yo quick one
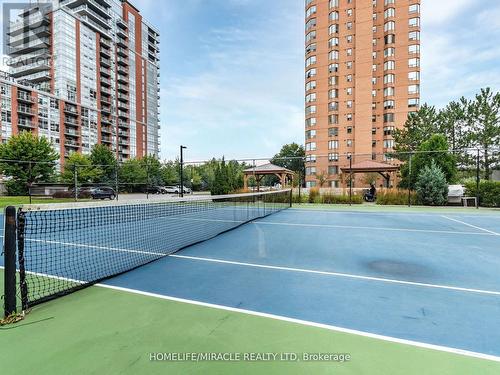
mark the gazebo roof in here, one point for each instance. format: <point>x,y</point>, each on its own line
<point>267,169</point>
<point>368,166</point>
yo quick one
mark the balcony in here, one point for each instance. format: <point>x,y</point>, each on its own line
<point>122,105</point>
<point>70,121</point>
<point>123,124</point>
<point>25,97</point>
<point>27,68</point>
<point>29,35</point>
<point>26,23</point>
<point>106,109</point>
<point>122,52</point>
<point>105,71</point>
<point>71,132</point>
<point>29,47</point>
<point>122,88</point>
<point>88,13</point>
<point>71,110</point>
<point>25,123</point>
<point>105,81</point>
<point>106,140</point>
<point>105,62</point>
<point>106,43</point>
<point>105,52</point>
<point>122,70</point>
<point>123,133</point>
<point>121,42</point>
<point>123,97</point>
<point>123,114</point>
<point>24,110</point>
<point>106,101</point>
<point>106,130</point>
<point>122,61</point>
<point>106,91</point>
<point>105,120</point>
<point>71,143</point>
<point>121,24</point>
<point>121,33</point>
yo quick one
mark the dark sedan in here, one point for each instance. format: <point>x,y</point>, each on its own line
<point>103,193</point>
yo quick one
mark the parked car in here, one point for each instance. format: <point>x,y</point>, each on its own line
<point>103,193</point>
<point>156,190</point>
<point>176,189</point>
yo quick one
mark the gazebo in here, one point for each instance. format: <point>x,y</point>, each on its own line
<point>258,172</point>
<point>370,166</point>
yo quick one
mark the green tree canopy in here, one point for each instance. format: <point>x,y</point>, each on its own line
<point>86,172</point>
<point>291,150</point>
<point>104,159</point>
<point>431,186</point>
<point>16,156</point>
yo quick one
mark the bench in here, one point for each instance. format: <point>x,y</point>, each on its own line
<point>465,201</point>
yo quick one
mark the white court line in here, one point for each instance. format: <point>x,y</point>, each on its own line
<point>339,274</point>
<point>371,228</point>
<point>440,348</point>
<point>470,225</point>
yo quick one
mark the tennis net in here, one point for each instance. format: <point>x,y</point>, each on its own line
<point>61,249</point>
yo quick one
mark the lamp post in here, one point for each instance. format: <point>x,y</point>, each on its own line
<point>350,179</point>
<point>181,148</point>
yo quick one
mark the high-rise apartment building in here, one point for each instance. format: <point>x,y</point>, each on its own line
<point>83,72</point>
<point>362,65</point>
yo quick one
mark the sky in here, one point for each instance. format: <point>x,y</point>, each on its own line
<point>232,71</point>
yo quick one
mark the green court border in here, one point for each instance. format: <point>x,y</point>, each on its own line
<point>100,330</point>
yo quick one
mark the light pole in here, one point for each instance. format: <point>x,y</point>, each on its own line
<point>350,179</point>
<point>181,194</point>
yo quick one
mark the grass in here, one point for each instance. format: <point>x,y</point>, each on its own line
<point>17,201</point>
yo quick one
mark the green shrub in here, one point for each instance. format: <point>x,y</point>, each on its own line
<point>303,198</point>
<point>330,198</point>
<point>489,192</point>
<point>396,197</point>
<point>313,195</point>
<point>16,188</point>
<point>431,186</point>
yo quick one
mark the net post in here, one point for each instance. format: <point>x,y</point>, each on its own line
<point>291,196</point>
<point>478,179</point>
<point>10,261</point>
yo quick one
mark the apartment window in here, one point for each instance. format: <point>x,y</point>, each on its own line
<point>310,61</point>
<point>333,119</point>
<point>349,38</point>
<point>348,91</point>
<point>414,22</point>
<point>388,143</point>
<point>311,23</point>
<point>333,29</point>
<point>413,76</point>
<point>333,145</point>
<point>310,184</point>
<point>390,65</point>
<point>333,132</point>
<point>390,39</point>
<point>388,117</point>
<point>311,98</point>
<point>374,131</point>
<point>311,73</point>
<point>388,130</point>
<point>374,16</point>
<point>333,156</point>
<point>349,142</point>
<point>389,104</point>
<point>310,85</point>
<point>310,11</point>
<point>349,25</point>
<point>311,146</point>
<point>413,102</point>
<point>413,49</point>
<point>388,2</point>
<point>374,93</point>
<point>334,16</point>
<point>333,68</point>
<point>332,81</point>
<point>414,8</point>
<point>310,158</point>
<point>389,12</point>
<point>349,117</point>
<point>389,26</point>
<point>333,42</point>
<point>310,36</point>
<point>333,93</point>
<point>311,48</point>
<point>374,55</point>
<point>349,130</point>
<point>413,89</point>
<point>333,106</point>
<point>374,41</point>
<point>333,169</point>
<point>333,55</point>
<point>310,171</point>
<point>308,2</point>
<point>349,104</point>
<point>348,65</point>
<point>349,12</point>
<point>389,78</point>
<point>333,4</point>
<point>348,78</point>
<point>310,134</point>
<point>414,35</point>
<point>374,29</point>
<point>349,52</point>
<point>413,63</point>
<point>389,91</point>
<point>374,80</point>
<point>374,67</point>
<point>310,109</point>
<point>374,118</point>
<point>388,52</point>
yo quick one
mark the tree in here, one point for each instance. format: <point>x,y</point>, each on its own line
<point>291,156</point>
<point>434,150</point>
<point>152,166</point>
<point>103,159</point>
<point>86,172</point>
<point>431,186</point>
<point>483,122</point>
<point>27,159</point>
<point>418,127</point>
<point>170,172</point>
<point>322,178</point>
<point>132,174</point>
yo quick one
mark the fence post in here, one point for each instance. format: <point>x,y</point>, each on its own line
<point>75,182</point>
<point>10,261</point>
<point>116,180</point>
<point>409,181</point>
<point>478,178</point>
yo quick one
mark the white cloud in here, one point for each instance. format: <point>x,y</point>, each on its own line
<point>438,12</point>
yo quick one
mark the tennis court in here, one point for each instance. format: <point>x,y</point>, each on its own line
<point>375,283</point>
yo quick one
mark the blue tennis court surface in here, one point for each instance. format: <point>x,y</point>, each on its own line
<point>428,277</point>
